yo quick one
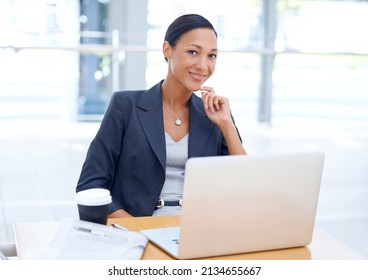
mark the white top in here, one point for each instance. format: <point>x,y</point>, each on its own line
<point>176,156</point>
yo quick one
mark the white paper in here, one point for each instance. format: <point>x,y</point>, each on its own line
<point>80,240</point>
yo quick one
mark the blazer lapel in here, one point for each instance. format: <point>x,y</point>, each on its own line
<point>200,127</point>
<point>150,114</point>
<point>151,118</point>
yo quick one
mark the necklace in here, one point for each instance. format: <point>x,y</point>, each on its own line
<point>177,119</point>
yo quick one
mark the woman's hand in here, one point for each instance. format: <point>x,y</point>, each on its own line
<point>217,107</point>
<point>120,213</point>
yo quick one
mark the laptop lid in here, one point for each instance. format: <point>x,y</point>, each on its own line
<point>238,204</point>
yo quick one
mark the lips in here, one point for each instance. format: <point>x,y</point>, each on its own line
<point>197,76</point>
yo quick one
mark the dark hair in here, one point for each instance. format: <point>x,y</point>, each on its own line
<point>184,24</point>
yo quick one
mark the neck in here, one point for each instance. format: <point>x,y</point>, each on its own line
<point>175,97</point>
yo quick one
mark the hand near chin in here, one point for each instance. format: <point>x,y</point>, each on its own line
<point>217,107</point>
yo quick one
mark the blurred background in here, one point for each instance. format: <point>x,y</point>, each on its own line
<point>296,74</point>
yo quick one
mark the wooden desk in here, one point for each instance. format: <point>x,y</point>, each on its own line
<point>30,238</point>
<point>323,247</point>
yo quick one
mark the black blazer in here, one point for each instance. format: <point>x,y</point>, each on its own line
<point>128,154</point>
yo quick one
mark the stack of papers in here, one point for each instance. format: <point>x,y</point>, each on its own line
<point>80,240</point>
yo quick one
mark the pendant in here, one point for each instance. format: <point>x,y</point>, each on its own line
<point>178,122</point>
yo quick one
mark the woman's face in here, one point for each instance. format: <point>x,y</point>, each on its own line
<point>192,61</point>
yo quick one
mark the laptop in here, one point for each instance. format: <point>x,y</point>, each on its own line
<point>240,204</point>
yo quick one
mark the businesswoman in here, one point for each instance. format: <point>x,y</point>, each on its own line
<point>146,136</point>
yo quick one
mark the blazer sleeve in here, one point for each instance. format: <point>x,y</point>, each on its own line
<point>99,167</point>
<point>224,149</point>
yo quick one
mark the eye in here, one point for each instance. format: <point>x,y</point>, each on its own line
<point>192,52</point>
<point>212,55</point>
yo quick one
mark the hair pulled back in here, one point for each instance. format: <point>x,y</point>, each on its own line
<point>184,24</point>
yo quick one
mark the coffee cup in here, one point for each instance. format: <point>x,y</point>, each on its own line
<point>93,205</point>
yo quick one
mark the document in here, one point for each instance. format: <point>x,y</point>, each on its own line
<point>80,240</point>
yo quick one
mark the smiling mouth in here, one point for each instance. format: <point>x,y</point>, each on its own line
<point>197,76</point>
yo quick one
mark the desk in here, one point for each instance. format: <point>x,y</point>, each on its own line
<point>322,247</point>
<point>31,237</point>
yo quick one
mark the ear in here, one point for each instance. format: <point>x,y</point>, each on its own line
<point>166,49</point>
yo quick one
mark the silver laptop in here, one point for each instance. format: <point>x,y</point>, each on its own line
<point>239,204</point>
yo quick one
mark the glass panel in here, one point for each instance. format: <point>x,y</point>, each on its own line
<point>40,51</point>
<point>321,87</point>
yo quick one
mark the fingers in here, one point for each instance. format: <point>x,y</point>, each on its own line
<point>210,100</point>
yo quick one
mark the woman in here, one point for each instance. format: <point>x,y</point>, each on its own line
<point>146,136</point>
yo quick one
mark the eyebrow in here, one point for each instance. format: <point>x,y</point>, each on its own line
<point>199,47</point>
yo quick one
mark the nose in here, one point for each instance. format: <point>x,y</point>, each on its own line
<point>202,62</point>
